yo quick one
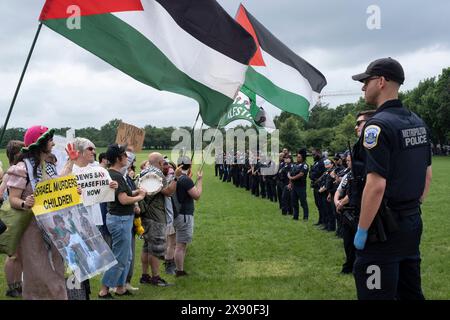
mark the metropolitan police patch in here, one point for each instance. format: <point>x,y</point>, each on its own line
<point>371,134</point>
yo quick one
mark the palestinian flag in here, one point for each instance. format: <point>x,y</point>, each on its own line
<point>245,107</point>
<point>193,48</point>
<point>277,74</point>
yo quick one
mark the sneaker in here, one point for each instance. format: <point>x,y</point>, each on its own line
<point>145,279</point>
<point>170,267</point>
<point>129,287</point>
<point>160,282</point>
<point>181,273</point>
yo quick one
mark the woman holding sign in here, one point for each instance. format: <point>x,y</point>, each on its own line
<point>43,267</point>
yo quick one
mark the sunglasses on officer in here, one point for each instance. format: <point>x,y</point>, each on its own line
<point>359,122</point>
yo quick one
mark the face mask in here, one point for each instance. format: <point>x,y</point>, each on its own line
<point>123,170</point>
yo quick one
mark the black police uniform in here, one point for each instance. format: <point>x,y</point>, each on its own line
<point>317,169</point>
<point>397,147</point>
<point>286,207</point>
<point>298,191</point>
<point>280,184</point>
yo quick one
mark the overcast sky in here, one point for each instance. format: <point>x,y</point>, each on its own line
<point>66,86</point>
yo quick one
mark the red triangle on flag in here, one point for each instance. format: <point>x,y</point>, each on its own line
<point>58,9</point>
<point>242,19</point>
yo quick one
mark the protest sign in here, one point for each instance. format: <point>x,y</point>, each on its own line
<point>78,240</point>
<point>131,135</point>
<point>55,194</point>
<point>94,183</point>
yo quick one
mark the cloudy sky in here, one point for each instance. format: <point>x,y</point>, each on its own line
<point>66,86</point>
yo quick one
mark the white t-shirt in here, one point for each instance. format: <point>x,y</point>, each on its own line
<point>94,210</point>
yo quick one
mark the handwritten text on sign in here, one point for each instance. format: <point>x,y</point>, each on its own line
<point>94,183</point>
<point>55,194</point>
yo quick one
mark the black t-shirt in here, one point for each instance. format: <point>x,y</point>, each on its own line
<point>184,184</point>
<point>116,208</point>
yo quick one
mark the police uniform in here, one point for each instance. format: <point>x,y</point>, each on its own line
<point>298,191</point>
<point>398,149</point>
<point>280,184</point>
<point>286,207</point>
<point>317,170</point>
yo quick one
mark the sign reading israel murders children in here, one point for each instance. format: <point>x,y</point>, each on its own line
<point>130,135</point>
<point>55,194</point>
<point>94,184</point>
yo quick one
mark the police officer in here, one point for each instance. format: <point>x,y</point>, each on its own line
<point>279,183</point>
<point>349,193</point>
<point>317,170</point>
<point>286,207</point>
<point>398,164</point>
<point>297,179</point>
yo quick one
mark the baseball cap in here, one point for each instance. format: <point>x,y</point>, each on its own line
<point>386,67</point>
<point>114,151</point>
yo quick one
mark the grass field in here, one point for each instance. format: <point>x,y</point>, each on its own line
<point>244,248</point>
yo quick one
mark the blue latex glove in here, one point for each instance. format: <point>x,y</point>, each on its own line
<point>360,238</point>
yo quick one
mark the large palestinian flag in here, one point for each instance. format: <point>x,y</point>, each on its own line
<point>193,48</point>
<point>278,74</point>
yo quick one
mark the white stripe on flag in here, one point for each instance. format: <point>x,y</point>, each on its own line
<point>200,62</point>
<point>284,76</point>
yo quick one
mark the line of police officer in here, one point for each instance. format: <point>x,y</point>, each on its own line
<point>377,197</point>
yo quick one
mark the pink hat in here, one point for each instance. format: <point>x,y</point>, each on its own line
<point>34,136</point>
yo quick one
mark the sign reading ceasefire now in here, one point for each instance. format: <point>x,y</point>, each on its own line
<point>56,194</point>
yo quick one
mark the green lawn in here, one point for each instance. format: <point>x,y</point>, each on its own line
<point>244,248</point>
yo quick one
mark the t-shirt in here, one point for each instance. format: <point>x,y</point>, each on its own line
<point>116,208</point>
<point>185,184</point>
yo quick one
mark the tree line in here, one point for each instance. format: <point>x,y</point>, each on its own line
<point>328,128</point>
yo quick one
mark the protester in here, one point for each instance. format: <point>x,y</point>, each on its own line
<point>154,222</point>
<point>119,221</point>
<point>187,192</point>
<point>169,257</point>
<point>86,157</point>
<point>43,267</point>
<point>13,265</point>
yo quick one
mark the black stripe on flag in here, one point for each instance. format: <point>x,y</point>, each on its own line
<point>270,44</point>
<point>209,23</point>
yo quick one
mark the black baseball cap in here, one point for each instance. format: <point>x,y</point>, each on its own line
<point>114,151</point>
<point>389,68</point>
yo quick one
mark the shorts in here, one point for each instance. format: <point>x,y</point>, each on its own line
<point>154,238</point>
<point>170,230</point>
<point>184,227</point>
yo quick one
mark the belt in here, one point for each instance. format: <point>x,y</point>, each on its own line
<point>405,212</point>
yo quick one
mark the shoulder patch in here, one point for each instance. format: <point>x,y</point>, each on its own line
<point>305,166</point>
<point>371,134</point>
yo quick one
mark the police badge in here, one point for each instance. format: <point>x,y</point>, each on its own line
<point>371,134</point>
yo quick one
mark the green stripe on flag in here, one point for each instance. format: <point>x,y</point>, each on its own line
<point>122,46</point>
<point>283,99</point>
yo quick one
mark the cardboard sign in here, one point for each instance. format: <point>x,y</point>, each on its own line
<point>55,194</point>
<point>131,135</point>
<point>94,183</point>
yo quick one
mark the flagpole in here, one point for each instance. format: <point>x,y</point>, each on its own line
<point>20,81</point>
<point>213,139</point>
<point>193,128</point>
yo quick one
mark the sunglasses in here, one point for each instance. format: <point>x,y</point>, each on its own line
<point>371,78</point>
<point>90,148</point>
<point>358,123</point>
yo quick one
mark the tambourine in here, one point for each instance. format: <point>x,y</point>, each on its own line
<point>151,183</point>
